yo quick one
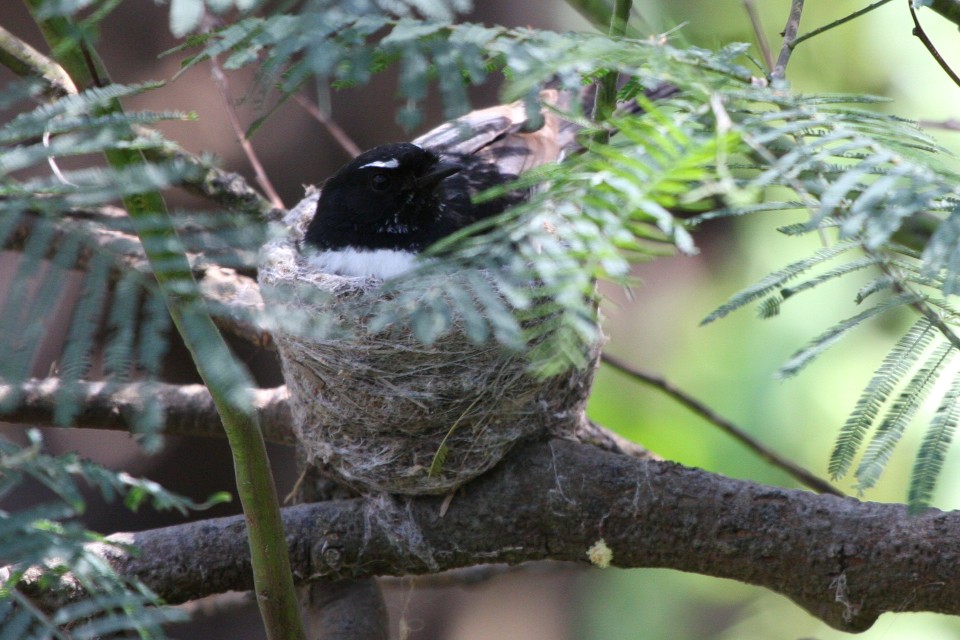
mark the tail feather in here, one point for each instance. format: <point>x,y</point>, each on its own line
<point>503,134</point>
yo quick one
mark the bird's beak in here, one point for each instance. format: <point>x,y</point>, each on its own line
<point>437,174</point>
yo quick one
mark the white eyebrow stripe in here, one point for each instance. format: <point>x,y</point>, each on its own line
<point>392,163</point>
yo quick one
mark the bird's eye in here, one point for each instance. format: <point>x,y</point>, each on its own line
<point>380,182</point>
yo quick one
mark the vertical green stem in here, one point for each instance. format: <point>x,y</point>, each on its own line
<point>596,11</point>
<point>606,99</point>
<point>621,15</point>
<point>220,371</point>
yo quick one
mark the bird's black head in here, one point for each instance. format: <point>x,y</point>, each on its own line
<point>385,198</point>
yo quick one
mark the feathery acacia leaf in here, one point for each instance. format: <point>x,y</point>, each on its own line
<point>777,280</point>
<point>832,274</point>
<point>891,371</point>
<point>771,306</point>
<point>933,449</point>
<point>70,126</point>
<point>720,147</point>
<point>46,537</point>
<point>899,414</point>
<point>830,337</point>
<point>941,255</point>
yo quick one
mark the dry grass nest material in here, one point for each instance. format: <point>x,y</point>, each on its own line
<point>385,412</point>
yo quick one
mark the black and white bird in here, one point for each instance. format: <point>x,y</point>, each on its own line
<point>380,210</point>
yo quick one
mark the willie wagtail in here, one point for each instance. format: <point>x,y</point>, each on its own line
<point>388,204</point>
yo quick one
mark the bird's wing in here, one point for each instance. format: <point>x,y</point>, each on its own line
<point>506,137</point>
<point>497,144</point>
<point>503,135</point>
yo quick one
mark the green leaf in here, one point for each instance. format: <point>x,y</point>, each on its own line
<point>832,335</point>
<point>890,430</point>
<point>777,280</point>
<point>894,368</point>
<point>45,537</point>
<point>933,449</point>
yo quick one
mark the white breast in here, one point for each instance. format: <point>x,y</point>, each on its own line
<point>382,263</point>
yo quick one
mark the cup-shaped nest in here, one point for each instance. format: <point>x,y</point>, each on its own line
<point>385,412</point>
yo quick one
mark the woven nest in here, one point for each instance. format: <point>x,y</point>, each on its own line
<point>387,413</point>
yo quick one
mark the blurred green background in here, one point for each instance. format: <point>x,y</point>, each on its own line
<point>730,364</point>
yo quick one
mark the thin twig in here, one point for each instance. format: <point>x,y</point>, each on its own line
<point>220,79</point>
<point>919,304</point>
<point>789,37</point>
<point>339,135</point>
<point>920,33</point>
<point>837,23</point>
<point>797,472</point>
<point>27,62</point>
<point>950,124</point>
<point>228,189</point>
<point>759,34</point>
<point>605,100</point>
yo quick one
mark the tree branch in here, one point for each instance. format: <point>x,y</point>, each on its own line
<point>226,188</point>
<point>758,33</point>
<point>27,62</point>
<point>220,80</point>
<point>800,474</point>
<point>843,560</point>
<point>931,48</point>
<point>837,23</point>
<point>335,130</point>
<point>188,409</point>
<point>789,37</point>
<point>233,295</point>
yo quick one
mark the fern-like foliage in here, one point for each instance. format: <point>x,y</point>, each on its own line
<point>79,268</point>
<point>890,430</point>
<point>47,541</point>
<point>119,327</point>
<point>894,368</point>
<point>877,190</point>
<point>873,187</point>
<point>600,210</point>
<point>933,449</point>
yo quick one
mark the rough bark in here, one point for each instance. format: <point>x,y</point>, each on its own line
<point>347,610</point>
<point>188,409</point>
<point>843,560</point>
